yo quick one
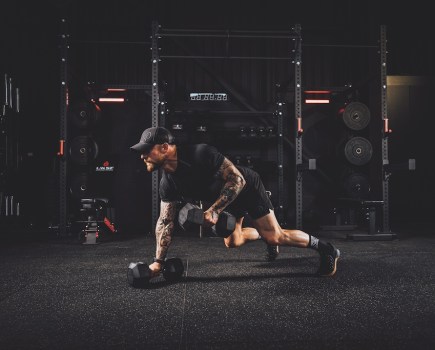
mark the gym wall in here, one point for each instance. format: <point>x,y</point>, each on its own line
<point>410,109</point>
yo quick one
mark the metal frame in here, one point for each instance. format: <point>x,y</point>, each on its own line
<point>63,224</point>
<point>158,118</point>
<point>127,86</point>
<point>280,159</point>
<point>385,160</point>
<point>155,101</point>
<point>63,131</point>
<point>158,113</point>
<point>386,234</point>
<point>298,128</point>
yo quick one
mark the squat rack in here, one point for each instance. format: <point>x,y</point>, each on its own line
<point>64,142</point>
<point>385,233</point>
<point>158,114</point>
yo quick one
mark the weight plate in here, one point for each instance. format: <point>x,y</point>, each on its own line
<point>84,114</point>
<point>358,150</point>
<point>356,116</point>
<point>79,186</point>
<point>83,150</point>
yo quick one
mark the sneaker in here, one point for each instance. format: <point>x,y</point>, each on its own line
<point>328,261</point>
<point>272,252</point>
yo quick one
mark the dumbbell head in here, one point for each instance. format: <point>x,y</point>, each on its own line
<point>225,225</point>
<point>173,269</point>
<point>190,217</point>
<point>138,274</point>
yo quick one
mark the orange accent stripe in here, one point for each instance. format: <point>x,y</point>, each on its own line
<point>61,148</point>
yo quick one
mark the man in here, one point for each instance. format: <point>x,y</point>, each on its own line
<point>200,172</point>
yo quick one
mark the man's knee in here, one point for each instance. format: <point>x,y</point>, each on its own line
<point>229,244</point>
<point>233,240</point>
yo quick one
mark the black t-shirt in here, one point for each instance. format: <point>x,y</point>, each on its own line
<point>196,176</point>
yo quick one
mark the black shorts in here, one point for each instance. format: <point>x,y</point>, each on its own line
<point>253,200</point>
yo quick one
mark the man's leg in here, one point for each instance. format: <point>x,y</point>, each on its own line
<point>270,230</point>
<point>241,235</point>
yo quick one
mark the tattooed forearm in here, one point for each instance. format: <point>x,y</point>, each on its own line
<point>232,187</point>
<point>164,228</point>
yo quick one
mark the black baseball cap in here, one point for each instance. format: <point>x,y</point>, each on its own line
<point>153,136</point>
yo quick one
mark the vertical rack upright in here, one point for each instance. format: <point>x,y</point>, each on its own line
<point>386,131</point>
<point>155,116</point>
<point>63,164</point>
<point>298,128</point>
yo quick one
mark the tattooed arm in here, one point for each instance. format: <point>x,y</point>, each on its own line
<point>234,183</point>
<point>164,229</point>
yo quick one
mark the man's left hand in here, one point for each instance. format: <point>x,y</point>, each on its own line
<point>210,218</point>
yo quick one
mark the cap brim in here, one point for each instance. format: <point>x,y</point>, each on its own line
<point>141,147</point>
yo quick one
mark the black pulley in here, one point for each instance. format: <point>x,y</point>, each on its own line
<point>358,150</point>
<point>356,185</point>
<point>356,116</point>
<point>83,150</point>
<point>79,185</point>
<point>84,114</point>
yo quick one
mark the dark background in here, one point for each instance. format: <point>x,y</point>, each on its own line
<point>30,55</point>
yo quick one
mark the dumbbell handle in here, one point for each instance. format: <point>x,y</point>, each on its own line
<point>200,220</point>
<point>195,215</point>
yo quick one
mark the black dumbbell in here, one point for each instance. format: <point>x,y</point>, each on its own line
<point>139,274</point>
<point>190,216</point>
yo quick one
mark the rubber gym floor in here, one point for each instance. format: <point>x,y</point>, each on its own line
<point>60,294</point>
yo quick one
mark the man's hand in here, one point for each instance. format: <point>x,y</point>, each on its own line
<point>156,269</point>
<point>210,218</point>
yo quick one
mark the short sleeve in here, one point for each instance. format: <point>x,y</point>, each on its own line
<point>167,190</point>
<point>210,156</point>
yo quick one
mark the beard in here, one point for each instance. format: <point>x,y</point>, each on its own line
<point>153,166</point>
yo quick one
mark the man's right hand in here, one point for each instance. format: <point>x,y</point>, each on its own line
<point>156,269</point>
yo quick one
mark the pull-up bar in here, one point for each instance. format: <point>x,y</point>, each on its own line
<point>342,46</point>
<point>228,57</point>
<point>226,34</point>
<point>229,35</point>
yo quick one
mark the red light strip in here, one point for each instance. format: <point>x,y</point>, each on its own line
<point>111,89</point>
<point>111,99</point>
<point>319,101</point>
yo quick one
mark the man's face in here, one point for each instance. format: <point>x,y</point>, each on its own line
<point>154,159</point>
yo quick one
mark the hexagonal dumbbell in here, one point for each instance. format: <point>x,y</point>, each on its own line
<point>139,274</point>
<point>191,216</point>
